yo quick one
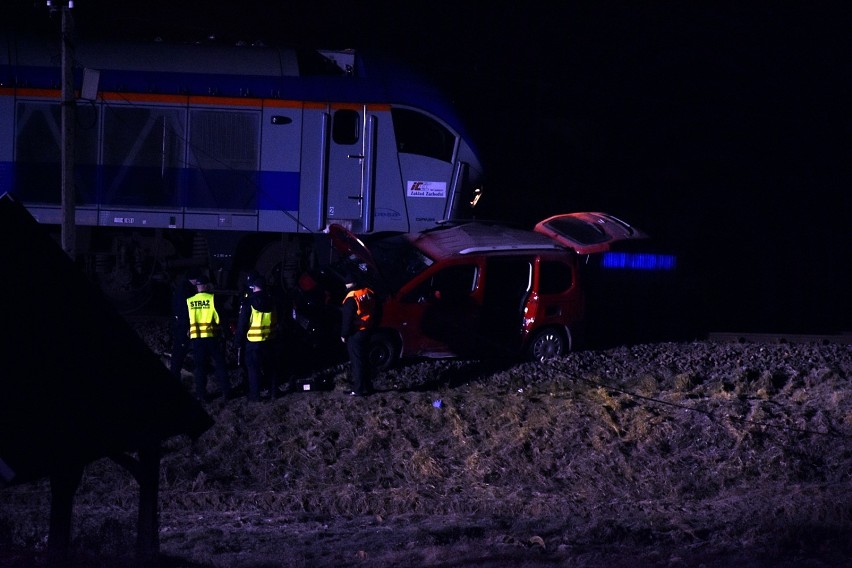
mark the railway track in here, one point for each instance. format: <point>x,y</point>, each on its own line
<point>735,337</point>
<point>844,338</point>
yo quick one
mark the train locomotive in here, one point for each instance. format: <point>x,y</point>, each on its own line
<point>226,158</point>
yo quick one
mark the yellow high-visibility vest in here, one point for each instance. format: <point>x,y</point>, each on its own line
<point>203,317</point>
<point>261,325</point>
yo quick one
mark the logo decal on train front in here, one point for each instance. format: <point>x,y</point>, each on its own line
<point>427,189</point>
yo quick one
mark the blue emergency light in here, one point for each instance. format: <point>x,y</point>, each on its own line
<point>638,261</point>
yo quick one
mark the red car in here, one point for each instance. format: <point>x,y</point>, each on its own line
<point>481,289</point>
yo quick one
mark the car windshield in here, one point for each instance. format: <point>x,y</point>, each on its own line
<point>398,261</point>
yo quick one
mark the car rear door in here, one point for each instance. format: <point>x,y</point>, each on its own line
<point>507,282</point>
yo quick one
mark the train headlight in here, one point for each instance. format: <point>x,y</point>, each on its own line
<point>477,195</point>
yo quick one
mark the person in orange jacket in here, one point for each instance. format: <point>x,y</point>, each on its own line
<point>359,315</point>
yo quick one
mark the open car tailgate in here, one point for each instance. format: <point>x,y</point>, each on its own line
<point>588,232</point>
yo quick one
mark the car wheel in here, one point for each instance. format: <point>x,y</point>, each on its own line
<point>384,351</point>
<point>546,344</point>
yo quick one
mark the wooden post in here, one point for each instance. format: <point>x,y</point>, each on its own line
<point>63,485</point>
<point>146,471</point>
<point>148,526</point>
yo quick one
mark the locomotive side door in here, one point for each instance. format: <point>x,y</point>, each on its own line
<point>347,163</point>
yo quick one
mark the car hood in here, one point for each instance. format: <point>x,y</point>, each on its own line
<point>588,232</point>
<point>345,242</point>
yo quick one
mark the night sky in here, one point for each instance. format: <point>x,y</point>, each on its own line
<point>720,128</point>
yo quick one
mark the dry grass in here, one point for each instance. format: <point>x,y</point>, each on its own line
<point>662,454</point>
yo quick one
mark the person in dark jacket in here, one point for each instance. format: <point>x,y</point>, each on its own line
<point>205,337</point>
<point>259,335</point>
<point>358,316</point>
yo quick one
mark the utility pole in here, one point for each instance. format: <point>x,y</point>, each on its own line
<point>68,118</point>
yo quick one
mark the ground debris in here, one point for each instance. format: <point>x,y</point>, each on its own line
<point>660,454</point>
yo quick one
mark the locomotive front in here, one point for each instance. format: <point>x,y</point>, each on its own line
<point>225,158</point>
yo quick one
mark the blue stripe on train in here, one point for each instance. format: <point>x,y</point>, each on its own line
<point>116,186</point>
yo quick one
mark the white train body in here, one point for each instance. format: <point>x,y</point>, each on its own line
<point>239,147</point>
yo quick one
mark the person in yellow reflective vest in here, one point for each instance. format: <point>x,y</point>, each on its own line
<point>259,335</point>
<point>358,316</point>
<point>206,339</point>
<point>183,288</point>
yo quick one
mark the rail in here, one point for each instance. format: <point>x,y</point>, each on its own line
<point>735,337</point>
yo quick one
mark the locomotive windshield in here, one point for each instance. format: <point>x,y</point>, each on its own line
<point>417,133</point>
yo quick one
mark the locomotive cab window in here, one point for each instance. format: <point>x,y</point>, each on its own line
<point>346,127</point>
<point>417,133</point>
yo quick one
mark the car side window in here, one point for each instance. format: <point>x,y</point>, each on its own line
<point>451,283</point>
<point>554,277</point>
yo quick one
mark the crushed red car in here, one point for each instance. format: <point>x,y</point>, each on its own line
<point>479,289</point>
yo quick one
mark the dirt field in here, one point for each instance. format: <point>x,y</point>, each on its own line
<point>668,454</point>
